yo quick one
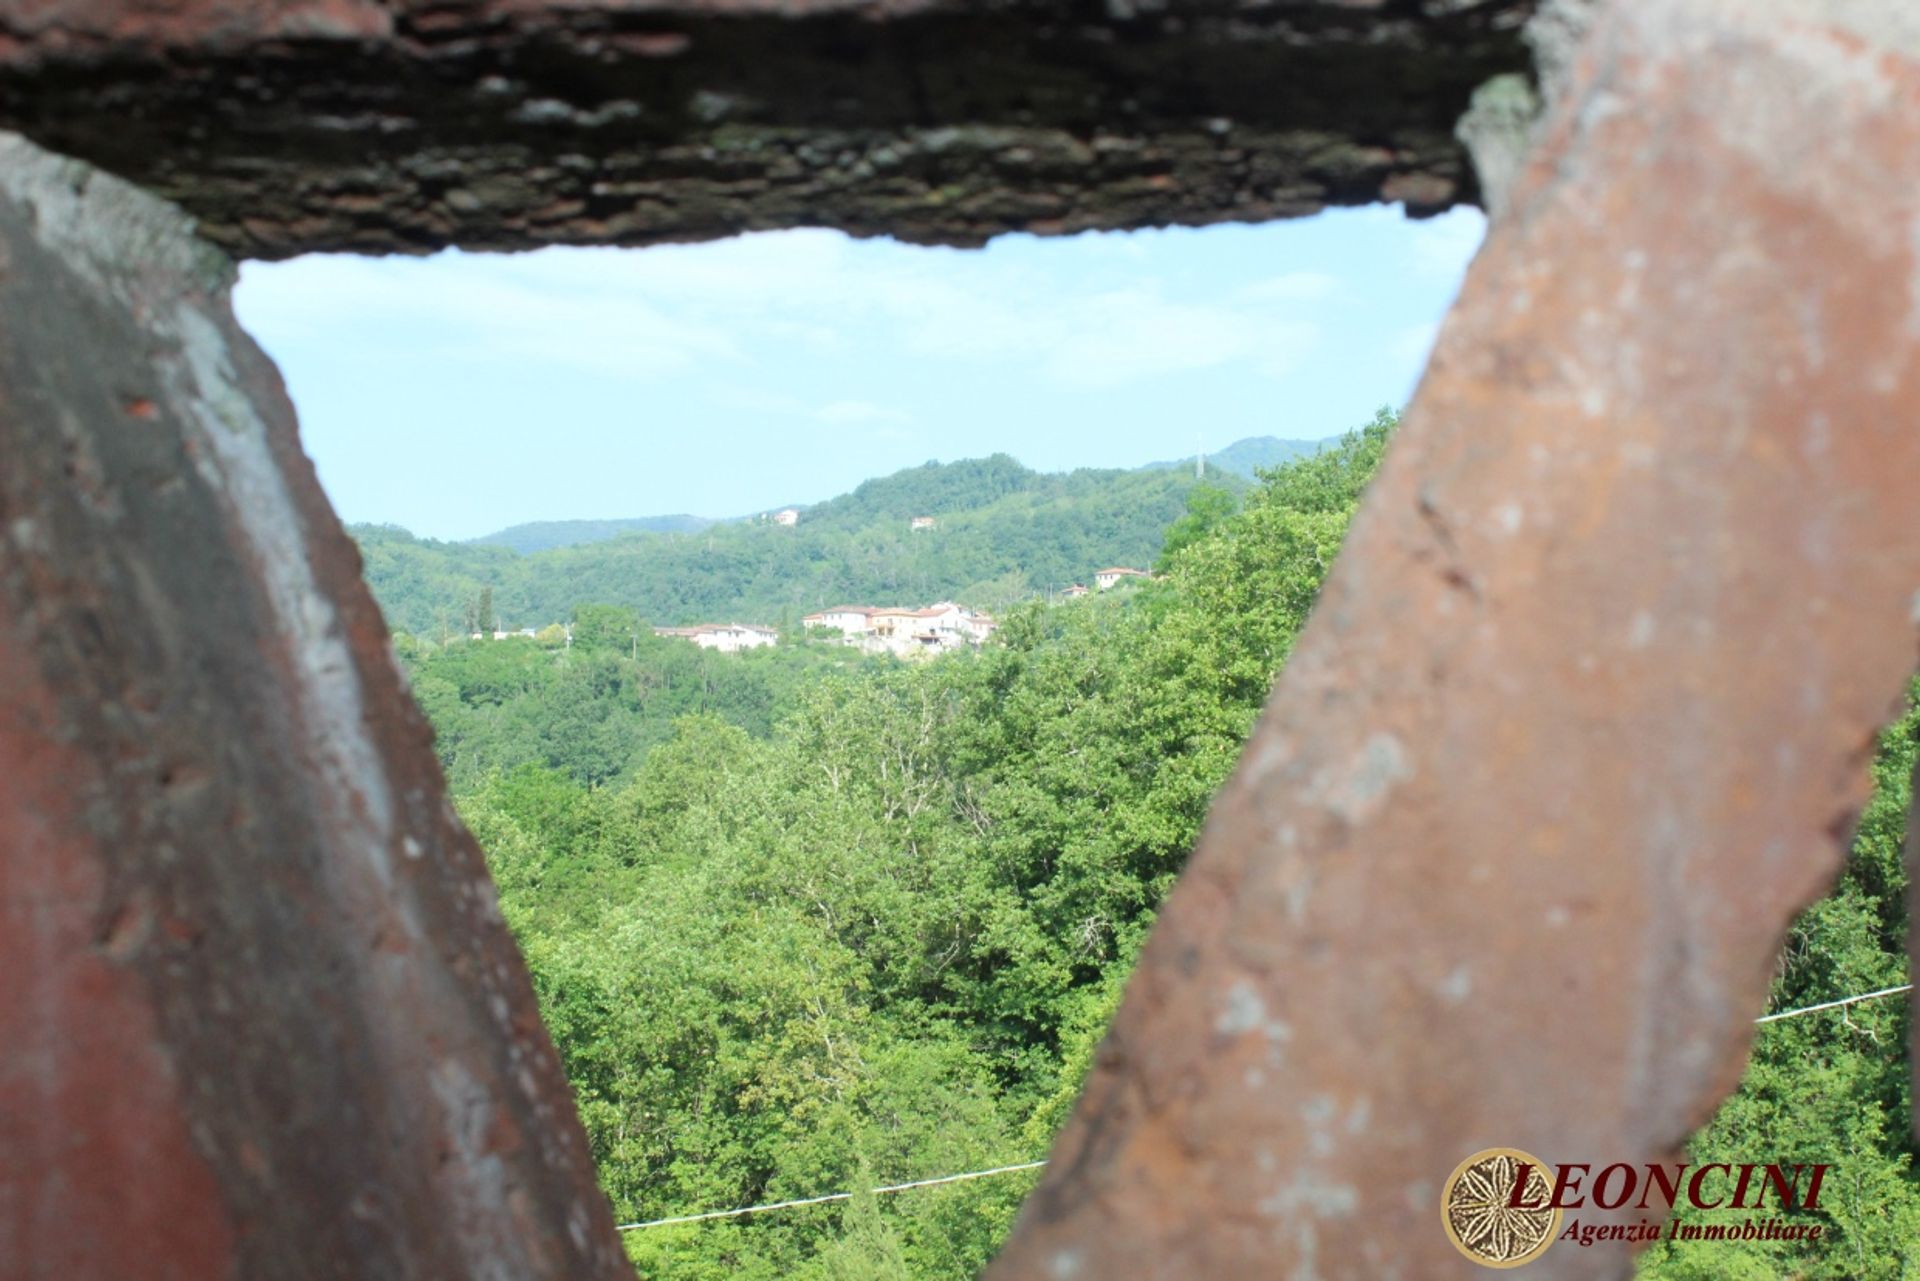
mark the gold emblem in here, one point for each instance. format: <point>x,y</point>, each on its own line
<point>1480,1222</point>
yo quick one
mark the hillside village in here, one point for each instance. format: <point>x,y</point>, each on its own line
<point>981,531</point>
<point>895,630</point>
<point>873,629</point>
<point>883,629</point>
<point>728,638</point>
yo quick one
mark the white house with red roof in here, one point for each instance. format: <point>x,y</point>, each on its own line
<point>850,620</point>
<point>904,630</point>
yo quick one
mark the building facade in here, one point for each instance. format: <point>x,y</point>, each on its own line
<point>728,638</point>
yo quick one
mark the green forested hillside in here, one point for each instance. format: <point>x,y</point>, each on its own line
<point>593,710</point>
<point>1003,533</point>
<point>863,921</point>
<point>879,942</point>
<point>545,535</point>
<point>1251,455</point>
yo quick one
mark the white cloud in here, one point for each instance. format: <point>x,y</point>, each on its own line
<point>755,401</point>
<point>1295,286</point>
<point>1414,343</point>
<point>1443,246</point>
<point>673,308</point>
<point>1118,337</point>
<point>481,309</point>
<point>858,411</point>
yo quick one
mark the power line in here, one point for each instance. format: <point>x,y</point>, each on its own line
<point>1034,1165</point>
<point>1834,1005</point>
<point>831,1196</point>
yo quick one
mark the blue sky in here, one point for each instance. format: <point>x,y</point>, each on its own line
<point>462,393</point>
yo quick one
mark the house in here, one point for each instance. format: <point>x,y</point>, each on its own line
<point>952,622</point>
<point>942,626</point>
<point>1073,591</point>
<point>889,622</point>
<point>728,638</point>
<point>787,516</point>
<point>905,631</point>
<point>945,615</point>
<point>922,522</point>
<point>745,636</point>
<point>1108,577</point>
<point>850,620</point>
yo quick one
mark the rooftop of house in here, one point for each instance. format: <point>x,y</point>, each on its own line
<point>902,611</point>
<point>707,629</point>
<point>899,611</point>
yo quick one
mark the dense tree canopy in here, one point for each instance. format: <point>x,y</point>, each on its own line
<point>592,709</point>
<point>802,922</point>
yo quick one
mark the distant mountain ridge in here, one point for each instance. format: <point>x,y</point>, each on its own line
<point>1244,456</point>
<point>1002,532</point>
<point>545,535</point>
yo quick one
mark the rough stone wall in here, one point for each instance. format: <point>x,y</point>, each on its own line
<point>1584,713</point>
<point>258,1014</point>
<point>407,125</point>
